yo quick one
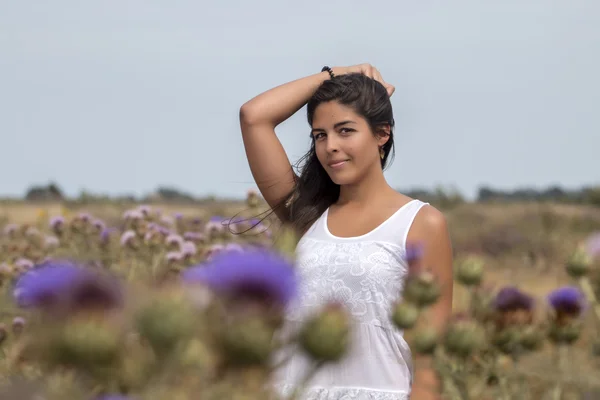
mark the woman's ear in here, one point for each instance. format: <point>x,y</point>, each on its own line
<point>383,134</point>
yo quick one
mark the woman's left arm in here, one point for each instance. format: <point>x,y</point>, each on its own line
<point>430,229</point>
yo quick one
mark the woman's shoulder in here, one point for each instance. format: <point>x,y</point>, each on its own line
<point>428,222</point>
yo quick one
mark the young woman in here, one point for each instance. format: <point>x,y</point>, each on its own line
<point>354,228</point>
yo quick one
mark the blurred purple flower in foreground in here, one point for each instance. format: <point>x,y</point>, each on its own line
<point>512,299</point>
<point>64,286</point>
<point>567,301</point>
<point>259,274</point>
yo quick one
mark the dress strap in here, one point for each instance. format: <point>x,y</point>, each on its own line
<point>398,226</point>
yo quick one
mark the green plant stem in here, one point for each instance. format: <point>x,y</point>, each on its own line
<point>518,377</point>
<point>460,381</point>
<point>504,388</point>
<point>561,361</point>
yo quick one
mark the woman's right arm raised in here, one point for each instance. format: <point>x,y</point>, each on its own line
<point>268,161</point>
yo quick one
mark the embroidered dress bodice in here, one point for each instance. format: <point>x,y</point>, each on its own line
<point>366,273</point>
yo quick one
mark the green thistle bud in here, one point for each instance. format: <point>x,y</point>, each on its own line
<point>531,338</point>
<point>507,340</point>
<point>196,355</point>
<point>425,341</point>
<point>470,271</point>
<point>579,263</point>
<point>422,289</point>
<point>166,321</point>
<point>326,335</point>
<point>247,342</point>
<point>86,342</point>
<point>405,315</point>
<point>464,336</point>
<point>565,333</point>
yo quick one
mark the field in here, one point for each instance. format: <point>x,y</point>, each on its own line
<point>526,245</point>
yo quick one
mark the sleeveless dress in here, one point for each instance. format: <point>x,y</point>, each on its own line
<point>366,273</point>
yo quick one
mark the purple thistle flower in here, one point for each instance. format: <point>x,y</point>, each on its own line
<point>24,263</point>
<point>568,300</point>
<point>10,229</point>
<point>194,236</point>
<point>65,285</point>
<point>149,235</point>
<point>18,321</point>
<point>105,234</point>
<point>127,237</point>
<point>174,256</point>
<point>174,239</point>
<point>261,274</point>
<point>145,209</point>
<point>85,217</point>
<point>512,299</point>
<point>178,216</point>
<point>18,324</point>
<point>213,227</point>
<point>99,224</point>
<point>157,228</point>
<point>114,397</point>
<point>133,214</point>
<point>188,249</point>
<point>57,222</point>
<point>214,249</point>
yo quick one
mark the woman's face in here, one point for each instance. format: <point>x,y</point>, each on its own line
<point>344,143</point>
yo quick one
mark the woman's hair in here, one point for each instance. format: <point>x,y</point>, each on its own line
<point>314,191</point>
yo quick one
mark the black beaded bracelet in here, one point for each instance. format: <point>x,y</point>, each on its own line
<point>326,68</point>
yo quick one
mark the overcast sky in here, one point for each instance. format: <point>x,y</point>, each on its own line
<point>122,96</point>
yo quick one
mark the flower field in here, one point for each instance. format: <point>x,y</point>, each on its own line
<point>109,301</point>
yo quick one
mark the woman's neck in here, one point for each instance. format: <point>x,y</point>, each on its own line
<point>369,188</point>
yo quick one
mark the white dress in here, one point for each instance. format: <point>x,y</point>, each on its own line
<point>366,273</point>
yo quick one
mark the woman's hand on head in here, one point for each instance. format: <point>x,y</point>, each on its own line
<point>367,70</point>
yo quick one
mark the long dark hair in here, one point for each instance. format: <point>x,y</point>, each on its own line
<point>314,191</point>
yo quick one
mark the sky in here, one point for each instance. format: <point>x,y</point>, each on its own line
<point>120,97</point>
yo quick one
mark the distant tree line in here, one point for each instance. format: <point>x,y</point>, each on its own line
<point>441,196</point>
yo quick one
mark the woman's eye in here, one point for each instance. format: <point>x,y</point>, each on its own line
<point>346,130</point>
<point>319,136</point>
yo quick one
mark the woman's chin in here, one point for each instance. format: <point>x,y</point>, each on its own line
<point>341,179</point>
